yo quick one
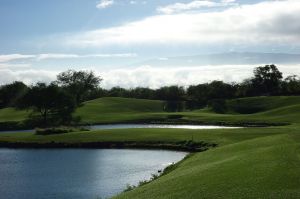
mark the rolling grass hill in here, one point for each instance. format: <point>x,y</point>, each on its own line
<point>260,104</point>
<point>247,163</point>
<point>279,109</point>
<point>12,115</point>
<point>115,109</point>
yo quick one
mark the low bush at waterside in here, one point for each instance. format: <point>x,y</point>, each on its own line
<point>58,130</point>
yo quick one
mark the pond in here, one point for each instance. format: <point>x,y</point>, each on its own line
<point>167,126</point>
<point>132,126</point>
<point>77,173</point>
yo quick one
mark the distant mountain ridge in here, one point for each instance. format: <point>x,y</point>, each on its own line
<point>232,58</point>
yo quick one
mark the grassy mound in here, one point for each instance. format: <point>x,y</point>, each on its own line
<point>248,162</point>
<point>12,115</point>
<point>102,110</point>
<point>115,109</point>
<point>260,104</point>
<point>263,110</point>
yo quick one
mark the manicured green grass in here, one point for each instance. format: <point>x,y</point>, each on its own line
<point>247,163</point>
<point>218,136</point>
<point>264,167</point>
<point>115,109</point>
<point>261,104</point>
<point>12,115</point>
<point>103,110</point>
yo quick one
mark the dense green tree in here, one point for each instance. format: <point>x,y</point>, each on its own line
<point>200,95</point>
<point>79,83</point>
<point>170,93</point>
<point>291,85</point>
<point>267,80</point>
<point>10,93</point>
<point>174,97</point>
<point>245,89</point>
<point>143,93</point>
<point>197,96</point>
<point>220,90</point>
<point>118,92</point>
<point>50,101</point>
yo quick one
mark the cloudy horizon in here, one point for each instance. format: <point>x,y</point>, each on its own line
<point>117,38</point>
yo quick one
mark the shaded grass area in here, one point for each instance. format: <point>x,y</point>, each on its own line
<point>260,104</point>
<point>272,111</point>
<point>12,115</point>
<point>269,111</point>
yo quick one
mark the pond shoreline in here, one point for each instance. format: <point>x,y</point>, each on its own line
<point>15,126</point>
<point>186,146</point>
<point>54,169</point>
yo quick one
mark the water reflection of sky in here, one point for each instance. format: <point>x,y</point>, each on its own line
<point>77,173</point>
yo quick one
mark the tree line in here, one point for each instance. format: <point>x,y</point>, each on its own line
<point>54,103</point>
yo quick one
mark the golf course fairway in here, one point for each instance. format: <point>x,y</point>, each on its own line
<point>250,162</point>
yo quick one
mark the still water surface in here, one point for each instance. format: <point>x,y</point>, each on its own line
<point>147,126</point>
<point>167,126</point>
<point>77,173</point>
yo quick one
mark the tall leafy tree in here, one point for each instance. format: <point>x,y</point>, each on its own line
<point>173,95</point>
<point>79,83</point>
<point>10,93</point>
<point>291,85</point>
<point>50,102</point>
<point>267,80</point>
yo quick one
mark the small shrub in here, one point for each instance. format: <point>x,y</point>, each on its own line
<point>154,177</point>
<point>175,116</point>
<point>58,130</point>
<point>143,182</point>
<point>129,187</point>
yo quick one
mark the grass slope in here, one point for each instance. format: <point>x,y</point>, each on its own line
<point>248,162</point>
<point>268,109</point>
<point>260,104</point>
<point>265,167</point>
<point>12,115</point>
<point>115,109</point>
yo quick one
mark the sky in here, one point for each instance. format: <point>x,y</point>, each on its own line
<point>116,38</point>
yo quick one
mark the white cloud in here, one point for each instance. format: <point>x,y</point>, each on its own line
<point>104,4</point>
<point>149,76</point>
<point>8,65</point>
<point>12,57</point>
<point>155,77</point>
<point>228,1</point>
<point>27,76</point>
<point>4,59</point>
<point>269,22</point>
<point>66,56</point>
<point>179,7</point>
